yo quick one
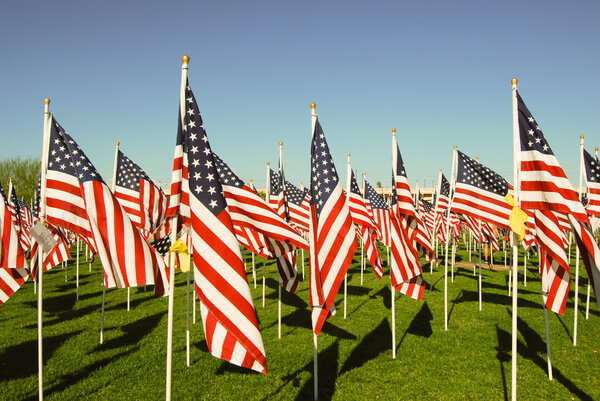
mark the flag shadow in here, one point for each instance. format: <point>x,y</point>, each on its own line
<point>133,332</point>
<point>534,349</point>
<point>20,361</point>
<point>71,379</point>
<point>374,343</point>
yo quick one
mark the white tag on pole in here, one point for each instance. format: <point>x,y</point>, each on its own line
<point>43,236</point>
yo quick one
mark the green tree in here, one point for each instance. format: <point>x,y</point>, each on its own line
<point>378,184</point>
<point>25,173</point>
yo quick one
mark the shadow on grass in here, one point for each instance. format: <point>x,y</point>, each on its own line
<point>373,344</point>
<point>133,302</point>
<point>302,318</point>
<point>499,299</point>
<point>133,332</point>
<point>66,316</point>
<point>534,350</point>
<point>20,361</point>
<point>71,379</point>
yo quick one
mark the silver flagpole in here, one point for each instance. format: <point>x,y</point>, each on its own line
<point>182,103</point>
<point>515,244</point>
<point>577,248</point>
<point>447,240</point>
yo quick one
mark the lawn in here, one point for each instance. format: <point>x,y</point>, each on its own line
<point>472,360</point>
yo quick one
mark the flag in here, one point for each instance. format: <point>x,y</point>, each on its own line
<point>17,215</point>
<point>592,176</point>
<point>546,190</point>
<point>333,237</point>
<point>59,253</point>
<point>298,207</point>
<point>381,213</point>
<point>480,192</point>
<point>228,315</point>
<point>126,257</point>
<point>276,194</point>
<point>255,219</point>
<point>10,281</point>
<point>144,202</point>
<point>11,252</point>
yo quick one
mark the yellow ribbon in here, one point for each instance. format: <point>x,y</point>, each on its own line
<point>181,249</point>
<point>517,217</point>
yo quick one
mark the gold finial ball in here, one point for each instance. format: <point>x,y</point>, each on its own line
<point>268,164</point>
<point>393,130</point>
<point>280,143</point>
<point>455,147</point>
<point>514,81</point>
<point>313,105</point>
<point>185,59</point>
<point>46,101</point>
<point>581,136</point>
<point>118,143</point>
<point>348,154</point>
<point>596,149</point>
<point>440,170</point>
<point>251,181</point>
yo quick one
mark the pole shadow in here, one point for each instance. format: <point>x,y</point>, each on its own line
<point>133,332</point>
<point>373,344</point>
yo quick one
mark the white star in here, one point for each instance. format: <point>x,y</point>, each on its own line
<point>206,151</point>
<point>545,147</point>
<point>213,203</point>
<point>537,140</point>
<point>192,124</point>
<point>208,164</point>
<point>193,137</point>
<point>197,176</point>
<point>210,177</point>
<point>531,119</point>
<point>195,162</point>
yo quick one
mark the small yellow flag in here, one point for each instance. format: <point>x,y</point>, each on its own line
<point>517,217</point>
<point>181,249</point>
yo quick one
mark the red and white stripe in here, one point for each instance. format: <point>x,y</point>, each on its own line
<point>332,246</point>
<point>179,200</point>
<point>481,204</point>
<point>10,281</point>
<point>358,211</point>
<point>593,196</point>
<point>228,315</point>
<point>370,246</point>
<point>405,265</point>
<point>126,257</point>
<point>300,214</point>
<point>64,205</point>
<point>130,200</point>
<point>154,205</point>
<point>590,253</point>
<point>11,252</point>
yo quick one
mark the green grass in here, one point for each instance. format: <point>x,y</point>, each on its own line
<point>472,360</point>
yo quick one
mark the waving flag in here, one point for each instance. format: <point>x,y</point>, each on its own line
<point>592,176</point>
<point>546,190</point>
<point>276,194</point>
<point>144,202</point>
<point>480,192</point>
<point>381,213</point>
<point>228,315</point>
<point>11,252</point>
<point>298,207</point>
<point>126,257</point>
<point>17,215</point>
<point>333,237</point>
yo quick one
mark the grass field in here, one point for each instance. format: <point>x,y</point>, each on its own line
<point>472,360</point>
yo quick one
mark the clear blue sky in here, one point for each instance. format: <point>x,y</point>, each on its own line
<point>438,71</point>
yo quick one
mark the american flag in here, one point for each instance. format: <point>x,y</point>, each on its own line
<point>17,215</point>
<point>258,226</point>
<point>333,237</point>
<point>298,207</point>
<point>125,255</point>
<point>228,315</point>
<point>592,176</point>
<point>11,279</point>
<point>405,267</point>
<point>366,227</point>
<point>380,211</point>
<point>65,206</point>
<point>11,252</point>
<point>59,253</point>
<point>358,209</point>
<point>427,212</point>
<point>276,194</point>
<point>404,202</point>
<point>546,190</point>
<point>443,197</point>
<point>144,202</point>
<point>480,192</point>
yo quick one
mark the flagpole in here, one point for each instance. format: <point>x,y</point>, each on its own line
<point>577,248</point>
<point>348,172</point>
<point>362,248</point>
<point>252,253</point>
<point>286,218</point>
<point>480,284</point>
<point>548,353</point>
<point>515,251</point>
<point>187,318</point>
<point>315,337</point>
<point>447,239</point>
<point>393,260</point>
<point>40,270</point>
<point>182,103</point>
<point>435,216</point>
